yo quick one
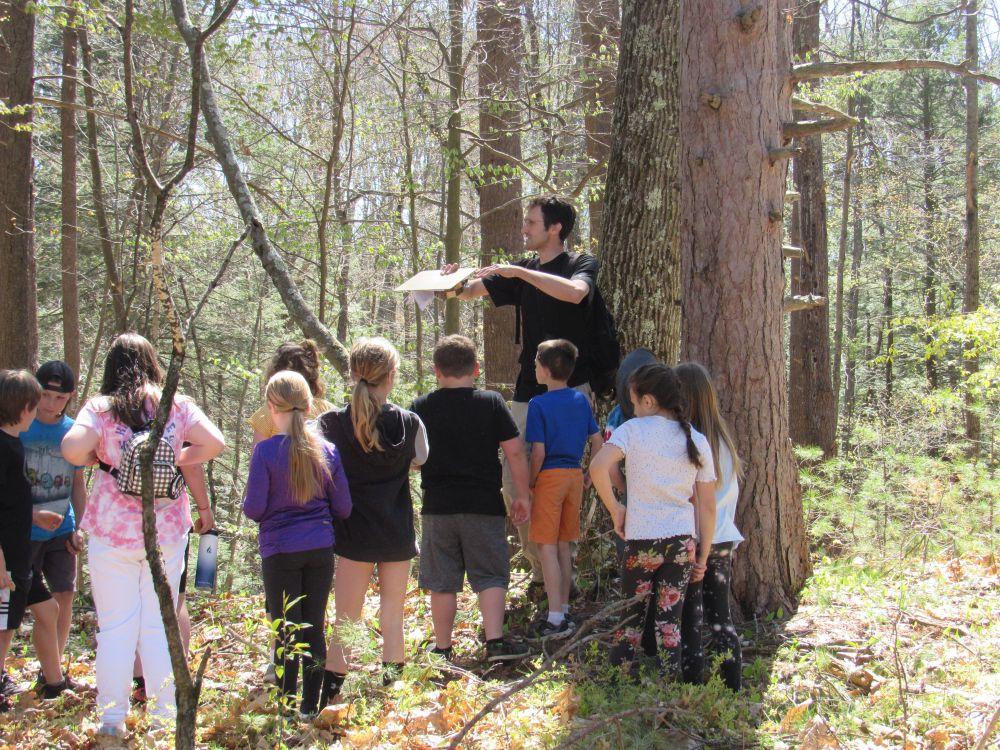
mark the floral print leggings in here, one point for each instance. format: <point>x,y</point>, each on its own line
<point>708,601</point>
<point>658,568</point>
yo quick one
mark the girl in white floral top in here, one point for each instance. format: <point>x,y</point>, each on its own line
<point>128,613</point>
<point>667,464</point>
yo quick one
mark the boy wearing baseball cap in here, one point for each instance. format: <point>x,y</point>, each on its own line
<point>58,492</point>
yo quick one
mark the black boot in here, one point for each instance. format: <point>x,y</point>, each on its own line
<point>332,683</point>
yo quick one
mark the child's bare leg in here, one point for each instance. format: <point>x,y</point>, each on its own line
<point>443,608</point>
<point>552,573</point>
<point>566,575</point>
<point>491,605</point>
<point>6,636</point>
<point>45,637</point>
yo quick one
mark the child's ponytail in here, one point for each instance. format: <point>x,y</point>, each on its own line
<point>661,382</point>
<point>308,470</point>
<point>372,362</point>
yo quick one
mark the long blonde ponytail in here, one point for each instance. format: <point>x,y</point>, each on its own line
<point>372,361</point>
<point>288,391</point>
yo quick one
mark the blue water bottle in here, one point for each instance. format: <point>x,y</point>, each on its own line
<point>208,561</point>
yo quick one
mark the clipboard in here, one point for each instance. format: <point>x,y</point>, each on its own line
<point>434,281</point>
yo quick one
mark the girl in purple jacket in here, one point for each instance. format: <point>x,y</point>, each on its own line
<point>296,488</point>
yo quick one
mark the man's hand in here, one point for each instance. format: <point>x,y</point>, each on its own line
<point>506,270</point>
<point>520,511</point>
<point>206,520</point>
<point>618,518</point>
<point>5,580</point>
<point>75,543</point>
<point>46,519</point>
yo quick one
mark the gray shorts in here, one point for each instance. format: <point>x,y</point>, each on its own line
<point>51,559</point>
<point>452,546</point>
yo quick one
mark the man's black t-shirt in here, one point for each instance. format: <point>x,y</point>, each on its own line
<point>544,317</point>
<point>15,506</point>
<point>465,427</point>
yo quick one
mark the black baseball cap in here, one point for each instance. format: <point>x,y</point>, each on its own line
<point>56,376</point>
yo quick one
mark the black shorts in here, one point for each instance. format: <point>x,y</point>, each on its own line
<point>29,590</point>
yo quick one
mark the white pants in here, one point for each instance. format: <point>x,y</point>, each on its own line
<point>128,615</point>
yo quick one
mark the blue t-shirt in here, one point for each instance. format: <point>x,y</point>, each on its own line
<point>562,420</point>
<point>49,474</point>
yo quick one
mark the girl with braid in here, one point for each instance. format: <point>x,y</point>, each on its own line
<point>379,444</point>
<point>667,464</point>
<point>708,600</point>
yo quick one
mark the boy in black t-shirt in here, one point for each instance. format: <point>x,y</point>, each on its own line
<point>464,524</point>
<point>19,589</point>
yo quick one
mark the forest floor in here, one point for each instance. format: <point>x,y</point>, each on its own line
<point>895,643</point>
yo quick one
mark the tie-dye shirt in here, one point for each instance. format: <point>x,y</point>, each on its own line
<point>113,517</point>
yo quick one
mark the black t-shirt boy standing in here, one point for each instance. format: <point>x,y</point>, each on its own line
<point>464,524</point>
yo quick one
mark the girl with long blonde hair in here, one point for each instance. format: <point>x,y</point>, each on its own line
<point>295,490</point>
<point>708,600</point>
<point>379,443</point>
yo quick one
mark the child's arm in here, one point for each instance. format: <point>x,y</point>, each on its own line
<point>339,493</point>
<point>537,459</point>
<point>79,445</point>
<point>617,478</point>
<point>704,508</point>
<point>194,476</point>
<point>206,442</point>
<point>513,449</point>
<point>258,487</point>
<point>601,467</point>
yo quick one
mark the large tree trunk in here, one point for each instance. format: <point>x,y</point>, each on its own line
<point>502,50</point>
<point>812,410</point>
<point>970,300</point>
<point>67,131</point>
<point>453,157</point>
<point>600,27</point>
<point>19,322</point>
<point>640,249</point>
<point>736,95</point>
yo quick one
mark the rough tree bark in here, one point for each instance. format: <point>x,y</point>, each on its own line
<point>640,249</point>
<point>970,299</point>
<point>19,323</point>
<point>501,43</point>
<point>296,305</point>
<point>69,231</point>
<point>600,28</point>
<point>853,303</point>
<point>735,94</point>
<point>812,409</point>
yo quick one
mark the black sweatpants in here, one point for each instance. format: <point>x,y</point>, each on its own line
<point>296,587</point>
<point>657,570</point>
<point>707,602</point>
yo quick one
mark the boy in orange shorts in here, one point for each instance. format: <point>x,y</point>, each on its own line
<point>559,424</point>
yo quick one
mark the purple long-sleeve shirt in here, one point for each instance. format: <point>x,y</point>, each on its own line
<point>285,524</point>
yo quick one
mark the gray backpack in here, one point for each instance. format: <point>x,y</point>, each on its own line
<point>167,478</point>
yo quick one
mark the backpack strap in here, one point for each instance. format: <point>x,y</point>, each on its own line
<point>107,468</point>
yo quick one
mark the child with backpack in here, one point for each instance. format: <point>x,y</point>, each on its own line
<point>666,462</point>
<point>295,489</point>
<point>378,442</point>
<point>109,431</point>
<point>464,519</point>
<point>708,600</point>
<point>20,588</point>
<point>560,422</point>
